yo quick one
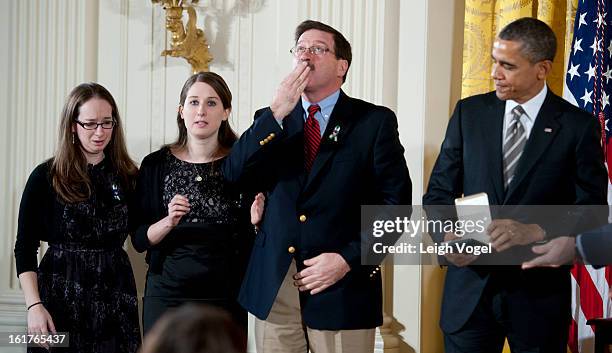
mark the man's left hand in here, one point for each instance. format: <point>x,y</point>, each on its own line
<point>506,233</point>
<point>321,272</point>
<point>257,209</point>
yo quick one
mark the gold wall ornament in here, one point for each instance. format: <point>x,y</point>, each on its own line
<point>188,41</point>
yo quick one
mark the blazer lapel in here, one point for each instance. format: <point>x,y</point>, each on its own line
<point>294,123</point>
<point>340,121</point>
<point>294,126</point>
<point>492,136</point>
<point>542,134</point>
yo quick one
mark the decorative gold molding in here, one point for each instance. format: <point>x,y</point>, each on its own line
<point>188,41</point>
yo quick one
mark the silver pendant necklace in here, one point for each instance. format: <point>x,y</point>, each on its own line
<point>198,172</point>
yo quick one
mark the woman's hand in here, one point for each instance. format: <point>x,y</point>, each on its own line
<point>40,322</point>
<point>177,208</point>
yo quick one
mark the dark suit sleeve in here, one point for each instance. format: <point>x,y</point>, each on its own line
<point>446,181</point>
<point>391,177</point>
<point>252,151</point>
<point>390,171</point>
<point>591,183</point>
<point>595,247</point>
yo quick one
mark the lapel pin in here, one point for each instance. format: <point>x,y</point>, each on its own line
<point>548,130</point>
<point>334,135</point>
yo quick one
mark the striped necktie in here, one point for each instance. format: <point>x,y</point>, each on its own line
<point>312,137</point>
<point>516,138</point>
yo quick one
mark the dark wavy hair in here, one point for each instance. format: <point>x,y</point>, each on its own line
<point>69,166</point>
<point>226,136</point>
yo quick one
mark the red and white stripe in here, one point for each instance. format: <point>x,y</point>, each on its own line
<point>590,299</point>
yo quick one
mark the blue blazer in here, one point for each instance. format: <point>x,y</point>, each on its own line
<point>308,214</point>
<point>562,164</point>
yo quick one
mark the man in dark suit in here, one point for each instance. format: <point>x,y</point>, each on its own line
<point>522,145</point>
<point>320,155</point>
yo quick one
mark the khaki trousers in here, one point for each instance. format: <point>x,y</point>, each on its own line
<point>284,332</point>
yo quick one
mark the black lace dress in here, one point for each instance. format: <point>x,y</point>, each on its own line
<point>203,258</point>
<point>85,278</point>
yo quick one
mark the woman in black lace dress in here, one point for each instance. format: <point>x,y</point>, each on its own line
<point>77,202</point>
<point>193,225</point>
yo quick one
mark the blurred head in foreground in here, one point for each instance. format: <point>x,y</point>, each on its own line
<point>194,328</point>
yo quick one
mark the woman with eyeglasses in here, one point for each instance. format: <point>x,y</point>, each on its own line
<point>77,202</point>
<point>194,225</point>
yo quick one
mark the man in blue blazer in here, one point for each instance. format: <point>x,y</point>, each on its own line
<point>320,155</point>
<point>522,145</point>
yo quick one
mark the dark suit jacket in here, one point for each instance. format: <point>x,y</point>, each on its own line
<point>595,247</point>
<point>365,166</point>
<point>562,164</point>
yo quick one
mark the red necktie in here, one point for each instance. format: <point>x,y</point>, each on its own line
<point>312,137</point>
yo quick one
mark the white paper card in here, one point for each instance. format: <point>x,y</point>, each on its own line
<point>480,214</point>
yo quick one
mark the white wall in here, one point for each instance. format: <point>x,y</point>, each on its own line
<point>50,46</point>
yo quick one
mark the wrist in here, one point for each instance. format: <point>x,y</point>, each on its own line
<point>273,109</point>
<point>168,224</point>
<point>277,114</point>
<point>344,263</point>
<point>539,233</point>
<point>33,305</point>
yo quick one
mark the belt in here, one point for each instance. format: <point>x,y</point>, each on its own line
<point>93,247</point>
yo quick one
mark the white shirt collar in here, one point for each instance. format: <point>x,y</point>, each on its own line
<point>532,106</point>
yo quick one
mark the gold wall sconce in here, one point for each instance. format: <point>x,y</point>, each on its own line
<point>186,41</point>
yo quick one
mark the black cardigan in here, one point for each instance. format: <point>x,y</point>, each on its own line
<point>41,214</point>
<point>37,212</point>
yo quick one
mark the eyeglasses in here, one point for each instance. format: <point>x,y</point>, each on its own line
<point>315,50</point>
<point>108,124</point>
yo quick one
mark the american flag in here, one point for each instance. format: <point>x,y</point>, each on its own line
<point>586,86</point>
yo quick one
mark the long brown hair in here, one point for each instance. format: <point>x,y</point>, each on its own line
<point>69,167</point>
<point>226,136</point>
